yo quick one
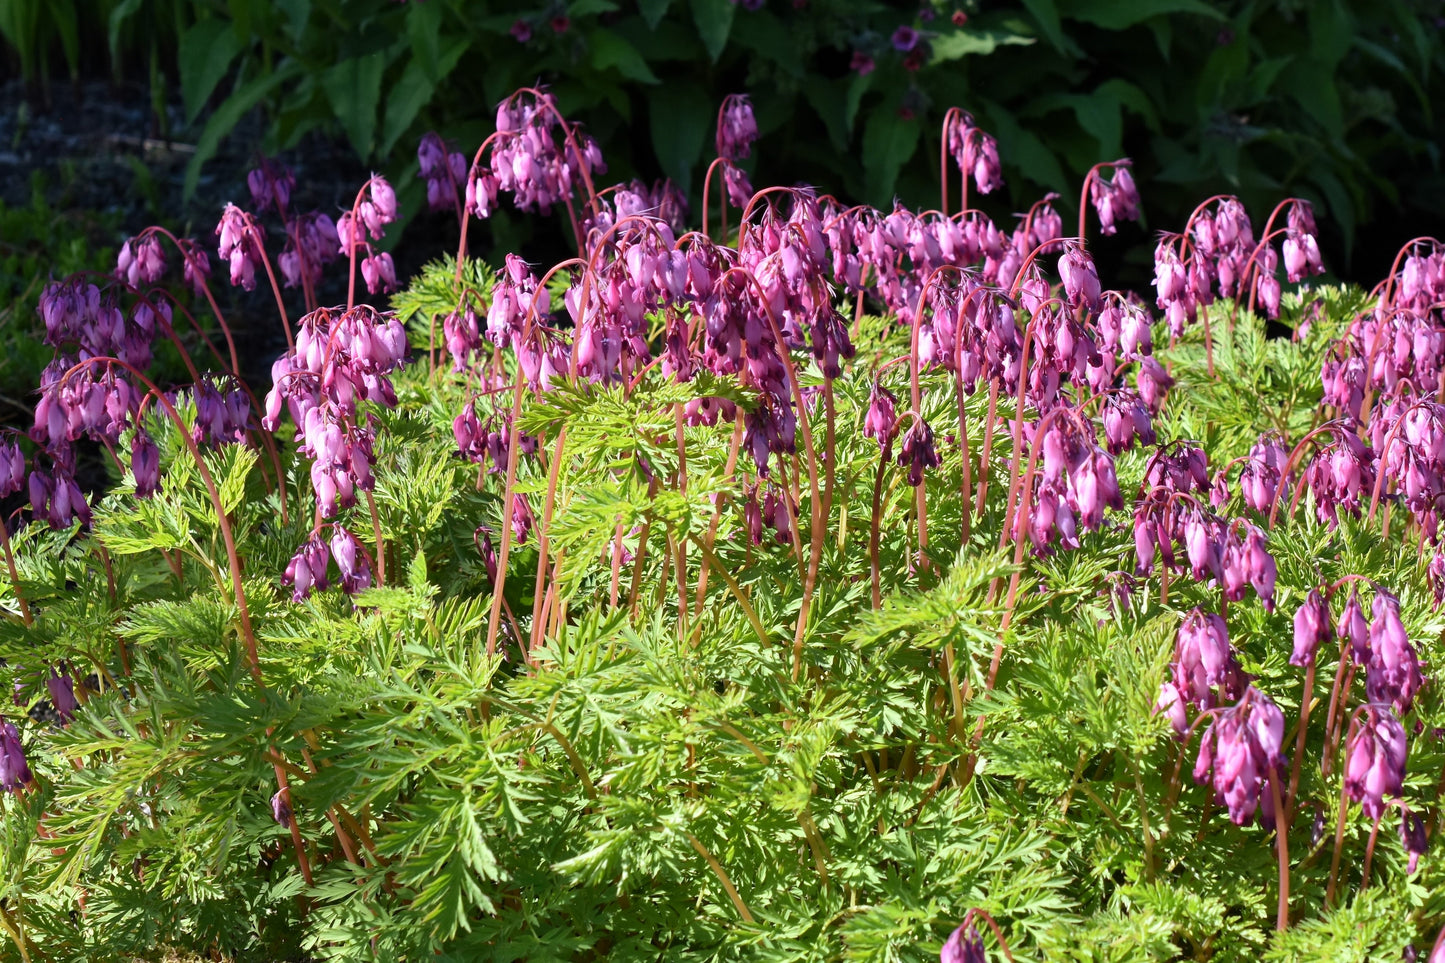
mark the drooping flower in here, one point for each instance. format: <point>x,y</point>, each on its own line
<point>964,945</point>
<point>1312,627</point>
<point>1375,759</point>
<point>14,770</point>
<point>1240,753</point>
<point>736,128</point>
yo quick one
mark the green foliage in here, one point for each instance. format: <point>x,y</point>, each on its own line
<point>623,770</point>
<point>38,242</point>
<point>1331,101</point>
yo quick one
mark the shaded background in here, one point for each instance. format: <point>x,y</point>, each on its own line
<point>142,110</point>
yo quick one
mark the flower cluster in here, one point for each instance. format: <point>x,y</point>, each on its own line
<point>1240,755</point>
<point>1375,759</point>
<point>528,162</point>
<point>444,171</point>
<point>974,151</point>
<point>341,358</point>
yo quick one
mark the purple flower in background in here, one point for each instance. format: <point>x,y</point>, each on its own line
<point>238,246</point>
<point>1413,837</point>
<point>145,465</point>
<point>736,128</point>
<point>12,468</point>
<point>904,39</point>
<point>141,261</point>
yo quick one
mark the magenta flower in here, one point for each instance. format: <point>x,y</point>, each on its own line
<point>281,808</point>
<point>1312,627</point>
<point>1375,760</point>
<point>307,568</point>
<point>918,451</point>
<point>62,694</point>
<point>1081,280</point>
<point>1204,661</point>
<point>1239,753</point>
<point>14,771</point>
<point>351,560</point>
<point>882,416</point>
<point>963,946</point>
<point>736,128</point>
<point>1392,673</point>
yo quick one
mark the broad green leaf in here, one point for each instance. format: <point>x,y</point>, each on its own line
<point>889,140</point>
<point>961,43</point>
<point>122,12</point>
<point>830,102</point>
<point>653,11</point>
<point>298,12</point>
<point>354,89</point>
<point>227,116</point>
<point>1122,14</point>
<point>413,92</point>
<point>423,29</point>
<point>857,87</point>
<point>609,49</point>
<point>1023,149</point>
<point>1046,14</point>
<point>205,54</point>
<point>62,14</point>
<point>679,116</point>
<point>714,19</point>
